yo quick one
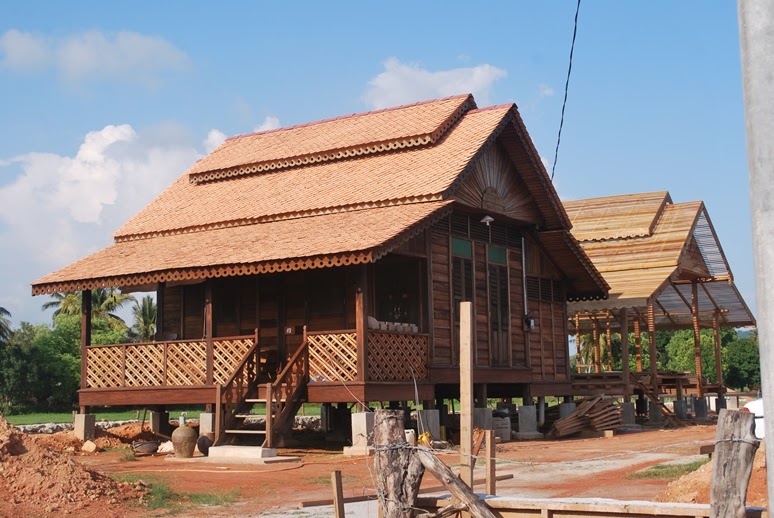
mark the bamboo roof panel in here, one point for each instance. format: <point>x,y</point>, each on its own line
<point>614,217</point>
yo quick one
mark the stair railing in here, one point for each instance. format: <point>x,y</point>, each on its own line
<point>651,395</point>
<point>230,396</point>
<point>284,395</point>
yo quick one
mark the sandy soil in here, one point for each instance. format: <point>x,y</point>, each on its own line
<point>592,467</point>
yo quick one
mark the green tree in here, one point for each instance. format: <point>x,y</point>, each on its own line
<point>104,303</point>
<point>682,356</point>
<point>742,363</point>
<point>5,324</point>
<point>144,313</point>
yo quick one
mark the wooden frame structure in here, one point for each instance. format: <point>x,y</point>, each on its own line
<point>326,262</point>
<point>666,270</point>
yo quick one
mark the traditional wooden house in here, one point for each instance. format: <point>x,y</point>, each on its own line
<point>325,262</point>
<point>666,270</point>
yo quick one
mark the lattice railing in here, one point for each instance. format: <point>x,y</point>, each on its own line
<point>155,364</point>
<point>332,356</point>
<point>397,356</point>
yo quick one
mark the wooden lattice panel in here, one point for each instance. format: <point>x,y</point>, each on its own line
<point>187,363</point>
<point>397,356</point>
<point>144,365</point>
<point>332,357</point>
<point>104,368</point>
<point>227,355</point>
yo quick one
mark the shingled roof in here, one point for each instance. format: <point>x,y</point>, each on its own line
<point>651,249</point>
<point>335,192</point>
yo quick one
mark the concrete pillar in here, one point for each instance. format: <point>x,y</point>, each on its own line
<point>712,403</point>
<point>482,418</point>
<point>528,424</point>
<point>429,421</point>
<point>566,409</point>
<point>160,422</point>
<point>627,413</point>
<point>207,424</point>
<point>362,434</point>
<point>654,413</point>
<point>84,426</point>
<point>700,408</point>
<point>732,402</point>
<point>720,404</point>
<point>681,409</point>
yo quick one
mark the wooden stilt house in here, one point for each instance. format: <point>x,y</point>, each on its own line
<point>666,270</point>
<point>325,263</point>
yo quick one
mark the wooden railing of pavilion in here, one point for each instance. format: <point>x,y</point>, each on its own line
<point>159,364</point>
<point>231,396</point>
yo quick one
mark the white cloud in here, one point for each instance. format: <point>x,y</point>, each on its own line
<point>545,90</point>
<point>214,139</point>
<point>269,123</point>
<point>61,208</point>
<point>402,83</point>
<point>93,56</point>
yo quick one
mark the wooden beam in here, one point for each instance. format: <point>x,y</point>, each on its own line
<point>597,349</point>
<point>577,342</point>
<point>714,302</point>
<point>85,335</point>
<point>338,494</point>
<point>361,324</point>
<point>697,338</point>
<point>208,329</point>
<point>680,294</point>
<point>637,344</point>
<point>718,355</point>
<point>467,343</point>
<point>160,295</point>
<point>652,347</point>
<point>666,313</point>
<point>609,338</point>
<point>623,319</point>
<point>491,473</point>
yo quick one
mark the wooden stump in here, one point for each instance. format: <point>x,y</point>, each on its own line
<point>735,449</point>
<point>398,470</point>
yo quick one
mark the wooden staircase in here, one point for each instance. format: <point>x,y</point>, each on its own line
<point>250,385</point>
<point>647,390</point>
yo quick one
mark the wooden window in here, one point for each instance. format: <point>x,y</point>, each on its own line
<point>462,282</point>
<point>499,310</point>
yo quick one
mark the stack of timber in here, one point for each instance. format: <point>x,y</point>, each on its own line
<point>597,413</point>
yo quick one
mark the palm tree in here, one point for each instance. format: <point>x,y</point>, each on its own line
<point>144,327</point>
<point>104,301</point>
<point>5,324</point>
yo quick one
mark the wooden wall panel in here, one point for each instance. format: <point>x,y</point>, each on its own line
<point>441,318</point>
<point>173,300</point>
<point>561,352</point>
<point>481,294</point>
<point>518,339</point>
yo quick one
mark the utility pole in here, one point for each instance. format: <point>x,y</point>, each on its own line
<point>756,33</point>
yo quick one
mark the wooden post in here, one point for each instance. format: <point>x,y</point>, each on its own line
<point>597,348</point>
<point>577,342</point>
<point>466,392</point>
<point>697,336</point>
<point>718,356</point>
<point>85,335</point>
<point>338,494</point>
<point>638,344</point>
<point>491,474</point>
<point>398,470</point>
<point>361,324</point>
<point>652,347</point>
<point>160,295</point>
<point>208,328</point>
<point>624,327</point>
<point>218,412</point>
<point>735,447</point>
<point>269,415</point>
<point>609,338</point>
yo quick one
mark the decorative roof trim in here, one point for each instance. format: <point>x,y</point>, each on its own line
<point>329,155</point>
<point>206,272</point>
<point>281,217</point>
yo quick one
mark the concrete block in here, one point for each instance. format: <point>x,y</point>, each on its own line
<point>654,413</point>
<point>720,404</point>
<point>527,436</point>
<point>712,402</point>
<point>627,413</point>
<point>160,423</point>
<point>502,428</point>
<point>566,409</point>
<point>507,407</point>
<point>681,409</point>
<point>691,400</point>
<point>732,402</point>
<point>359,451</point>
<point>362,430</point>
<point>527,419</point>
<point>700,408</point>
<point>89,447</point>
<point>429,421</point>
<point>83,426</point>
<point>482,418</point>
<point>241,452</point>
<point>206,423</point>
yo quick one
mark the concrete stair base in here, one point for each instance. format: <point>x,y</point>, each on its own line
<point>241,452</point>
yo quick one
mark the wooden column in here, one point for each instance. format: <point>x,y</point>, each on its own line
<point>85,335</point>
<point>208,328</point>
<point>577,342</point>
<point>624,327</point>
<point>597,350</point>
<point>361,323</point>
<point>159,334</point>
<point>697,336</point>
<point>609,338</point>
<point>652,347</point>
<point>718,356</point>
<point>638,343</point>
<point>466,392</point>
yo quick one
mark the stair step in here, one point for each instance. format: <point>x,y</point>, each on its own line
<point>247,432</point>
<point>255,400</point>
<point>245,416</point>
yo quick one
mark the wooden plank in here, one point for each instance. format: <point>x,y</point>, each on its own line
<point>338,494</point>
<point>466,392</point>
<point>491,478</point>
<point>148,396</point>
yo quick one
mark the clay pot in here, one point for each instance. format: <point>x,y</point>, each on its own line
<point>184,441</point>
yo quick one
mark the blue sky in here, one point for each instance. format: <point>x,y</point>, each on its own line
<point>102,105</point>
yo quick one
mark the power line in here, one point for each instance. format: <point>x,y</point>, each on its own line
<point>566,87</point>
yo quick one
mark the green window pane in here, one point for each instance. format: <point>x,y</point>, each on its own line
<point>462,247</point>
<point>497,255</point>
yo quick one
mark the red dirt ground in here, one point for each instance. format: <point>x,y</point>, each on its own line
<point>566,468</point>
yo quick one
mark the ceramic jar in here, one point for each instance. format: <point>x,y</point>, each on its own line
<point>184,441</point>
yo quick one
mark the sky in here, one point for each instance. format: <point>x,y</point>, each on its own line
<point>104,104</point>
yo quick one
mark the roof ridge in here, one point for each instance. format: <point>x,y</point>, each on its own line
<point>351,116</point>
<point>267,218</point>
